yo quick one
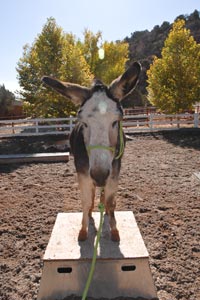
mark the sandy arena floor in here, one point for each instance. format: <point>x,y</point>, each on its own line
<point>156,183</point>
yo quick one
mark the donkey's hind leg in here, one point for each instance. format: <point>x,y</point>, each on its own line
<point>87,196</point>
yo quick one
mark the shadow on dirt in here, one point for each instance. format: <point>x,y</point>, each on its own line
<point>31,145</point>
<point>186,138</point>
<point>37,144</point>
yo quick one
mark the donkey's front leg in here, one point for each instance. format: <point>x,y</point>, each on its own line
<point>110,191</point>
<point>87,197</point>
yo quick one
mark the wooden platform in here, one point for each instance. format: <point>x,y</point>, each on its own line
<point>122,269</point>
<point>37,157</point>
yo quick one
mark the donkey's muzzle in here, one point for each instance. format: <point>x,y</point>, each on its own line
<point>99,176</point>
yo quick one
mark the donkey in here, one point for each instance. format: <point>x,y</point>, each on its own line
<point>97,140</point>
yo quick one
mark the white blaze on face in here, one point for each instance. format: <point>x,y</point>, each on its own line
<point>102,107</point>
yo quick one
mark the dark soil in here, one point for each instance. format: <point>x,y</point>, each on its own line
<point>157,183</point>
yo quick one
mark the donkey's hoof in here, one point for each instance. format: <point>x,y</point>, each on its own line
<point>115,235</point>
<point>82,235</point>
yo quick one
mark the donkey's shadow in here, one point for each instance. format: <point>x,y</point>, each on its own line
<point>107,248</point>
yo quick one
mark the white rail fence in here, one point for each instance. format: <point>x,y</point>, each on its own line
<point>157,122</point>
<point>131,124</point>
<point>36,127</point>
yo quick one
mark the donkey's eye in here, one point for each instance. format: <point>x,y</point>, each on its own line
<point>114,124</point>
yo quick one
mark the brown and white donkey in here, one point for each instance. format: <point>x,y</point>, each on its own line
<point>97,140</point>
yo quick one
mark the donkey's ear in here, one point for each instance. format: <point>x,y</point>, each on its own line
<point>124,84</point>
<point>78,94</point>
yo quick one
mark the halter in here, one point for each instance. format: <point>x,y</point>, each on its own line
<point>112,149</point>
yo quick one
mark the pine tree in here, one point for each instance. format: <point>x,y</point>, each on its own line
<point>174,79</point>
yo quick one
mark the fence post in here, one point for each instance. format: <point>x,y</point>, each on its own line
<point>196,120</point>
<point>13,129</point>
<point>177,121</point>
<point>36,124</point>
<point>151,121</point>
<point>70,123</point>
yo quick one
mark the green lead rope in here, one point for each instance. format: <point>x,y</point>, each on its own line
<point>101,208</point>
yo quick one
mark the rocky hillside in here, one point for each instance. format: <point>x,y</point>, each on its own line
<point>143,45</point>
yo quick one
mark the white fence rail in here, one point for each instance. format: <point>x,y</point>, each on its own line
<point>157,122</point>
<point>35,127</point>
<point>131,124</point>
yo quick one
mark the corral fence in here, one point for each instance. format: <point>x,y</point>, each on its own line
<point>131,124</point>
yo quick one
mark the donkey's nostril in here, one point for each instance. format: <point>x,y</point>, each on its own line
<point>99,176</point>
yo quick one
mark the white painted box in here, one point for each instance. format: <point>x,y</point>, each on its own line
<point>122,269</point>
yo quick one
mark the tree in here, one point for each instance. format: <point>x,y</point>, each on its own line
<point>89,48</point>
<point>113,64</point>
<point>6,99</point>
<point>174,79</point>
<point>74,66</point>
<point>52,53</point>
<point>61,55</point>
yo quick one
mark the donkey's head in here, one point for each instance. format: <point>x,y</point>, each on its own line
<point>99,119</point>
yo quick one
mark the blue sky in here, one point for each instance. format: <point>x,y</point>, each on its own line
<point>22,20</point>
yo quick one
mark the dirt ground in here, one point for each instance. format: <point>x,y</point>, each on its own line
<point>156,183</point>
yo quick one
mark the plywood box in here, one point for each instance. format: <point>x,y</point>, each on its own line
<point>122,269</point>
